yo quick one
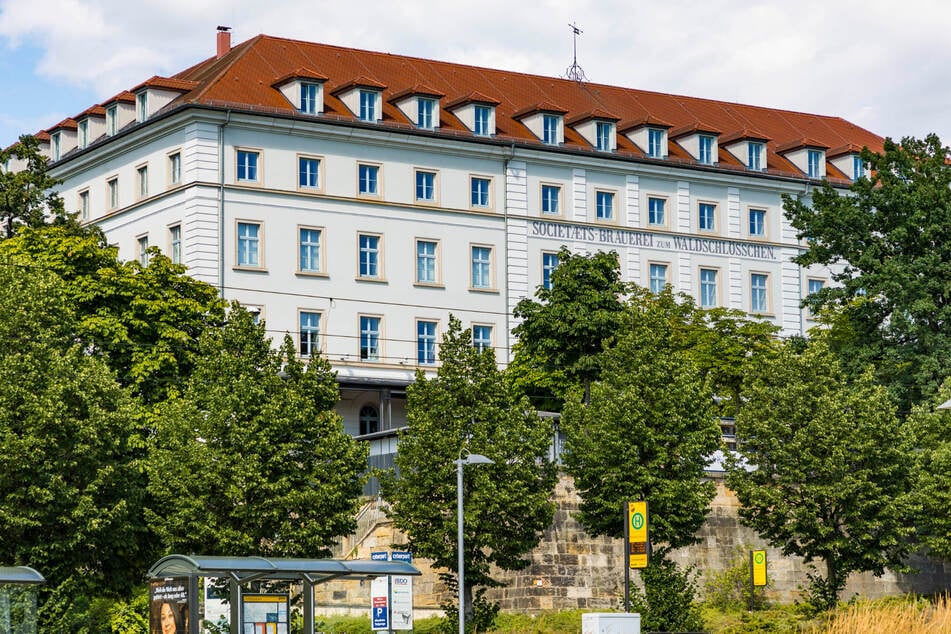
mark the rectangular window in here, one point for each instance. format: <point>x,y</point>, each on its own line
<point>858,167</point>
<point>175,243</point>
<point>550,196</point>
<point>705,154</point>
<point>656,211</point>
<point>708,288</point>
<point>755,158</point>
<point>759,301</point>
<point>481,267</point>
<point>55,146</point>
<point>84,205</point>
<point>550,129</point>
<point>604,205</point>
<point>369,338</point>
<point>112,190</point>
<point>426,260</point>
<point>549,264</point>
<point>658,278</point>
<point>367,105</point>
<point>309,250</point>
<point>815,286</point>
<point>480,191</point>
<point>758,223</point>
<point>481,337</point>
<point>247,165</point>
<point>175,168</point>
<point>142,178</point>
<point>308,172</point>
<point>308,98</point>
<point>426,342</point>
<point>142,106</point>
<point>369,255</point>
<point>603,133</point>
<point>655,143</point>
<point>142,245</point>
<point>425,109</point>
<point>813,158</point>
<point>309,334</point>
<point>425,185</point>
<point>112,120</point>
<point>83,134</point>
<point>707,217</point>
<point>368,180</point>
<point>249,248</point>
<point>482,117</point>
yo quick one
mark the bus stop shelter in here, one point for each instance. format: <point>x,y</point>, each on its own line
<point>243,570</point>
<point>18,586</point>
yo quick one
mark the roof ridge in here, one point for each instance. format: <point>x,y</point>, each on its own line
<point>242,50</point>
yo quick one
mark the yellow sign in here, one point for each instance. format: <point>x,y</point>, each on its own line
<point>637,532</point>
<point>758,566</point>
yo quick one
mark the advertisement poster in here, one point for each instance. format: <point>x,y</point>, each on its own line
<point>265,614</point>
<point>168,606</point>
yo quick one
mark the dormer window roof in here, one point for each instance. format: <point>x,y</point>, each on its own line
<point>545,120</point>
<point>808,155</point>
<point>62,138</point>
<point>157,92</point>
<point>476,111</point>
<point>848,160</point>
<point>649,134</point>
<point>363,97</point>
<point>419,104</point>
<point>748,146</point>
<point>304,88</point>
<point>473,97</point>
<point>597,127</point>
<point>699,140</point>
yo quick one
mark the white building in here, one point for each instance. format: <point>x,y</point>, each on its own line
<point>355,198</point>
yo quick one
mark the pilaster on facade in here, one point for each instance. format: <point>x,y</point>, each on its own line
<point>735,285</point>
<point>734,222</point>
<point>201,238</point>
<point>516,188</point>
<point>201,152</point>
<point>683,206</point>
<point>632,202</point>
<point>793,316</point>
<point>684,279</point>
<point>579,195</point>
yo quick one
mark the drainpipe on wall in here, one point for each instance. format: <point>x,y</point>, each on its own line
<point>221,204</point>
<point>505,211</point>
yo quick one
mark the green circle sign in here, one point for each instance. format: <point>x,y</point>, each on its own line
<point>759,558</point>
<point>637,521</point>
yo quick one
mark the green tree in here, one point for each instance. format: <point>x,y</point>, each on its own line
<point>144,320</point>
<point>252,457</point>
<point>26,196</point>
<point>71,483</point>
<point>647,433</point>
<point>565,328</point>
<point>469,407</point>
<point>827,472</point>
<point>890,233</point>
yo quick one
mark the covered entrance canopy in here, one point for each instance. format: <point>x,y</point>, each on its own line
<point>18,599</point>
<point>241,570</point>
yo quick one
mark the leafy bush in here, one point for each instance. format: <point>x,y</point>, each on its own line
<point>730,589</point>
<point>667,602</point>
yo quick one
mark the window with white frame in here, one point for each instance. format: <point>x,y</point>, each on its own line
<point>481,267</point>
<point>655,143</point>
<point>55,146</point>
<point>248,165</point>
<point>309,251</point>
<point>369,420</point>
<point>308,172</point>
<point>368,181</point>
<point>604,205</point>
<point>427,271</point>
<point>483,115</point>
<point>309,334</point>
<point>706,217</point>
<point>656,211</point>
<point>708,288</point>
<point>815,285</point>
<point>308,98</point>
<point>368,105</point>
<point>142,180</point>
<point>142,106</point>
<point>369,338</point>
<point>858,167</point>
<point>705,151</point>
<point>112,192</point>
<point>425,185</point>
<point>425,342</point>
<point>84,205</point>
<point>425,112</point>
<point>657,277</point>
<point>757,223</point>
<point>175,168</point>
<point>481,337</point>
<point>550,129</point>
<point>759,296</point>
<point>249,244</point>
<point>550,199</point>
<point>142,246</point>
<point>175,243</point>
<point>83,134</point>
<point>813,161</point>
<point>755,156</point>
<point>603,133</point>
<point>369,255</point>
<point>549,264</point>
<point>480,191</point>
<point>112,120</point>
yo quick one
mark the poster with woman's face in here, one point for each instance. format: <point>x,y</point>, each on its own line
<point>168,606</point>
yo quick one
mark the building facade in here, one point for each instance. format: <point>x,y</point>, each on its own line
<point>355,200</point>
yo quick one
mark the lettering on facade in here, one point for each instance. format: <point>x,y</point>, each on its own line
<point>633,238</point>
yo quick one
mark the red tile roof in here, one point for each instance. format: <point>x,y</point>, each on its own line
<point>168,83</point>
<point>597,113</point>
<point>798,144</point>
<point>473,97</point>
<point>419,89</point>
<point>300,73</point>
<point>848,148</point>
<point>640,122</point>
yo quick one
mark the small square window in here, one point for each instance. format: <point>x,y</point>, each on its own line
<point>368,181</point>
<point>425,186</point>
<point>427,254</point>
<point>309,334</point>
<point>308,98</point>
<point>706,217</point>
<point>425,342</point>
<point>248,165</point>
<point>815,286</point>
<point>309,249</point>
<point>656,211</point>
<point>481,267</point>
<point>549,264</point>
<point>550,199</point>
<point>308,172</point>
<point>658,278</point>
<point>482,116</point>
<point>759,297</point>
<point>758,223</point>
<point>175,243</point>
<point>604,205</point>
<point>249,245</point>
<point>369,338</point>
<point>480,192</point>
<point>369,255</point>
<point>481,337</point>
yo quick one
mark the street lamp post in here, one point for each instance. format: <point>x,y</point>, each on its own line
<point>472,458</point>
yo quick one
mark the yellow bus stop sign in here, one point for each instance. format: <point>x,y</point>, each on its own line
<point>758,567</point>
<point>637,534</point>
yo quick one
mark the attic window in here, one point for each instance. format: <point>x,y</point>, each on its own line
<point>425,108</point>
<point>483,115</point>
<point>83,134</point>
<point>550,129</point>
<point>112,119</point>
<point>655,142</point>
<point>55,146</point>
<point>705,154</point>
<point>858,167</point>
<point>368,105</point>
<point>755,156</point>
<point>813,161</point>
<point>308,98</point>
<point>142,106</point>
<point>604,133</point>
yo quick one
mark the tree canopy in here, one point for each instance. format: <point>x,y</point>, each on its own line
<point>891,234</point>
<point>26,195</point>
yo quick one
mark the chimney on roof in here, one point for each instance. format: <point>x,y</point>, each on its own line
<point>224,40</point>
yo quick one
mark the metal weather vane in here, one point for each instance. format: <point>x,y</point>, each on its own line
<point>575,71</point>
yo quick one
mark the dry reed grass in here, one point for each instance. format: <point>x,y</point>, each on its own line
<point>906,617</point>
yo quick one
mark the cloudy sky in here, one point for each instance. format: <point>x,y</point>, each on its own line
<point>882,64</point>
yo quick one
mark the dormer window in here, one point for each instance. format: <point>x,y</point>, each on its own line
<point>649,134</point>
<point>142,106</point>
<point>546,121</point>
<point>605,135</point>
<point>550,129</point>
<point>476,111</point>
<point>112,119</point>
<point>858,167</point>
<point>425,107</point>
<point>813,161</point>
<point>83,133</point>
<point>368,105</point>
<point>481,117</point>
<point>304,90</point>
<point>308,98</point>
<point>754,159</point>
<point>706,145</point>
<point>55,146</point>
<point>656,147</point>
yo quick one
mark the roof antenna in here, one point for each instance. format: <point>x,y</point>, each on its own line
<point>574,71</point>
